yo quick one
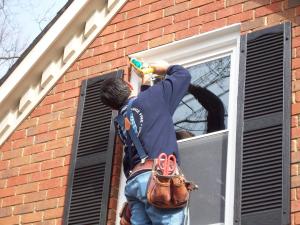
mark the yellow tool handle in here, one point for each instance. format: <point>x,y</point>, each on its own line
<point>148,70</point>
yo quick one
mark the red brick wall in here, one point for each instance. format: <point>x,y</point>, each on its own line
<point>35,159</point>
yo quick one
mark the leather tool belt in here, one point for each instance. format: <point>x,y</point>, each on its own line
<point>141,167</point>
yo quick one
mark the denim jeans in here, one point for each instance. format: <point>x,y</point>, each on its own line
<point>145,214</point>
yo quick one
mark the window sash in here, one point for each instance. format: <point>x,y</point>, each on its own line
<point>206,155</point>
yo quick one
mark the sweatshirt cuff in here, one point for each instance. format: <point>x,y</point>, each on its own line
<point>173,68</point>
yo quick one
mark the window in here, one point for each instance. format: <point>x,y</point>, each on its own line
<point>209,60</point>
<point>240,159</point>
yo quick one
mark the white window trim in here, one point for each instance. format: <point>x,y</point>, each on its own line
<point>191,51</point>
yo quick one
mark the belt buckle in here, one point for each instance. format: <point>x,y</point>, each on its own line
<point>143,160</point>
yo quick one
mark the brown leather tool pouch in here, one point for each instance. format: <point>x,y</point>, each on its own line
<point>167,192</point>
<point>158,190</point>
<point>125,215</point>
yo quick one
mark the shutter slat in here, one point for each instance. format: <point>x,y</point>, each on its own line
<point>260,110</point>
<point>91,206</point>
<point>100,115</point>
<point>251,162</point>
<point>262,203</point>
<point>262,40</point>
<point>258,190</point>
<point>262,174</point>
<point>263,49</point>
<point>262,91</point>
<point>272,134</point>
<point>264,146</point>
<point>267,63</point>
<point>256,71</point>
<point>260,132</point>
<point>259,185</point>
<point>262,56</point>
<point>86,178</point>
<point>90,140</point>
<point>94,145</point>
<point>265,152</point>
<point>87,199</point>
<point>265,96</point>
<point>95,110</point>
<point>261,85</point>
<point>261,192</point>
<point>256,170</point>
<point>81,214</point>
<point>271,204</point>
<point>265,194</point>
<point>85,219</point>
<point>93,134</point>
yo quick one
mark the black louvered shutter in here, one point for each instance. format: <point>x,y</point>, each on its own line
<point>263,128</point>
<point>91,165</point>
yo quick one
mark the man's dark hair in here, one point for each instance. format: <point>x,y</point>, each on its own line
<point>114,93</point>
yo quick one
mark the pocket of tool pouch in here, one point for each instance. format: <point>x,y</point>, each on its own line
<point>158,191</point>
<point>180,194</point>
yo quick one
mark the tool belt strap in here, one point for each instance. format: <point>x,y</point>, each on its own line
<point>127,122</point>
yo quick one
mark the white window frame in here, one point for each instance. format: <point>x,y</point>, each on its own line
<point>192,51</point>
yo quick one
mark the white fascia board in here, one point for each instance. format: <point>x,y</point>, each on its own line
<point>41,47</point>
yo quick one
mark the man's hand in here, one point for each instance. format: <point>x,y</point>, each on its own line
<point>160,68</point>
<point>147,79</point>
<point>148,72</point>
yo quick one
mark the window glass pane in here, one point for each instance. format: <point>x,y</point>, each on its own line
<point>203,161</point>
<point>204,108</point>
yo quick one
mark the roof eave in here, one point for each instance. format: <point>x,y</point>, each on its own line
<point>50,58</point>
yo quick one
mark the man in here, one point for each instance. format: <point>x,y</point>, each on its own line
<point>152,111</point>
